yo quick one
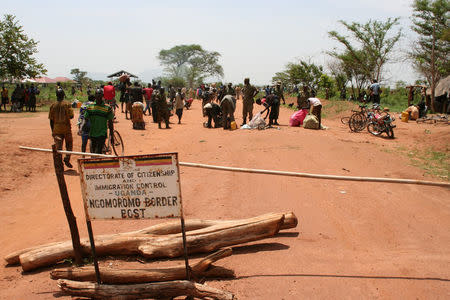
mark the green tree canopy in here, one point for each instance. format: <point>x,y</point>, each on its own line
<point>16,52</point>
<point>302,72</point>
<point>78,75</point>
<point>370,45</point>
<point>430,52</point>
<point>190,62</point>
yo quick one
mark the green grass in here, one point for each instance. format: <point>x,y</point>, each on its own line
<point>435,163</point>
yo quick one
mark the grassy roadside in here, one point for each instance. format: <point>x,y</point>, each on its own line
<point>435,163</point>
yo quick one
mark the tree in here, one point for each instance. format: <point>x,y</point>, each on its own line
<point>302,72</point>
<point>78,75</point>
<point>370,45</point>
<point>430,52</point>
<point>340,77</point>
<point>16,52</point>
<point>190,62</point>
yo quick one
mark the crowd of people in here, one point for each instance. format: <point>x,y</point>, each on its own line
<point>23,98</point>
<point>98,114</point>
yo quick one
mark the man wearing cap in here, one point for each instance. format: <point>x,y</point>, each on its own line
<point>101,118</point>
<point>248,93</point>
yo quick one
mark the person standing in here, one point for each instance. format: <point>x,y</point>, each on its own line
<point>375,90</point>
<point>100,117</point>
<point>229,90</point>
<point>59,115</point>
<point>135,95</point>
<point>148,91</point>
<point>109,93</point>
<point>206,98</point>
<point>32,92</point>
<point>162,108</point>
<point>237,89</point>
<point>179,104</point>
<point>124,96</point>
<point>5,98</point>
<point>316,108</point>
<point>248,93</point>
<point>279,92</point>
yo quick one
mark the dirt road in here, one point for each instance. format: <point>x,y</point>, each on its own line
<point>354,240</point>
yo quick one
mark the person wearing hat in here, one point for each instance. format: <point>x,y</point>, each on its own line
<point>249,92</point>
<point>100,116</point>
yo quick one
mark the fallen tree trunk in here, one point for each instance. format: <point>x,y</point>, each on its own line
<point>121,276</point>
<point>198,241</point>
<point>155,290</point>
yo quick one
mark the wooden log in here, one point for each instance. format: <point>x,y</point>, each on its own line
<point>121,276</point>
<point>172,227</point>
<point>156,290</point>
<point>205,241</point>
<point>198,241</point>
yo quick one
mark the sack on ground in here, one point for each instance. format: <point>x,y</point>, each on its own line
<point>257,121</point>
<point>298,117</point>
<point>311,122</point>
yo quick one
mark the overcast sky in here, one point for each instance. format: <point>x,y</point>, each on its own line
<point>255,38</point>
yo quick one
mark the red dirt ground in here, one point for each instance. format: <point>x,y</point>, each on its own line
<point>354,239</point>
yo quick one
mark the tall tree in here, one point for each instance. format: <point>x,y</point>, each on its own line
<point>78,75</point>
<point>302,72</point>
<point>370,44</point>
<point>191,62</point>
<point>430,52</point>
<point>16,52</point>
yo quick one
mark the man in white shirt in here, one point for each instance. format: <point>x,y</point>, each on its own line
<point>316,108</point>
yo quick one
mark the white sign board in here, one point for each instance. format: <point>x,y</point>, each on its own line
<point>131,187</point>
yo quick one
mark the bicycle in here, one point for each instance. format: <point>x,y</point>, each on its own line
<point>116,146</point>
<point>358,120</point>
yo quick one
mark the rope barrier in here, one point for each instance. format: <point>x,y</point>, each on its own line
<point>272,172</point>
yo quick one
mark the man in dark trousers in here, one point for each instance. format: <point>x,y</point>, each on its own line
<point>100,117</point>
<point>213,112</point>
<point>162,108</point>
<point>135,95</point>
<point>248,93</point>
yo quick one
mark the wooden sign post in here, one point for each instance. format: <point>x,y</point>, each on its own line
<point>130,188</point>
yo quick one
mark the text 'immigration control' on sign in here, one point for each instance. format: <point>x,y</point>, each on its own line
<point>132,187</point>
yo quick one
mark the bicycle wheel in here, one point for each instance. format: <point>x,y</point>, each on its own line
<point>344,120</point>
<point>357,122</point>
<point>117,145</point>
<point>373,128</point>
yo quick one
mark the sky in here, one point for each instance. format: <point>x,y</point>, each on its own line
<point>256,39</point>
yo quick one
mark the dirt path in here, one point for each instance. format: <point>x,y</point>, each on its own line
<point>354,240</point>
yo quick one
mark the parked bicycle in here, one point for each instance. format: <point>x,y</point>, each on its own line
<point>358,120</point>
<point>114,145</point>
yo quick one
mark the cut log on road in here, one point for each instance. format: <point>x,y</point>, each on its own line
<point>128,243</point>
<point>156,290</point>
<point>198,241</point>
<point>121,276</point>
